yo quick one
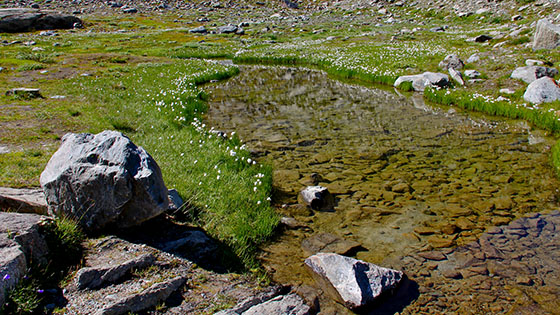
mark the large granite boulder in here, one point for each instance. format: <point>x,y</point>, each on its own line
<point>542,90</point>
<point>529,74</point>
<point>21,243</point>
<point>547,35</point>
<point>103,180</point>
<point>352,282</point>
<point>24,20</point>
<point>421,81</point>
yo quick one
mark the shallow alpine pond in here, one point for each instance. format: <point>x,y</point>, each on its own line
<point>428,190</point>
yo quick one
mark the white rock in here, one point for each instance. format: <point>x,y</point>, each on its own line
<point>529,74</point>
<point>456,76</point>
<point>533,62</point>
<point>547,35</point>
<point>472,74</point>
<point>542,90</point>
<point>426,79</point>
<point>352,282</point>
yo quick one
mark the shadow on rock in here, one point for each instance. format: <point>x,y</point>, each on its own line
<point>394,302</point>
<point>184,241</point>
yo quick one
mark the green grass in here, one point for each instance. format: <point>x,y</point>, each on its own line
<point>36,56</point>
<point>23,168</point>
<point>161,108</point>
<point>541,116</point>
<point>31,67</point>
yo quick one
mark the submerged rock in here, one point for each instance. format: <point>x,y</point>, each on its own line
<point>543,90</point>
<point>328,243</point>
<point>472,74</point>
<point>547,35</point>
<point>103,180</point>
<point>421,81</point>
<point>291,304</point>
<point>317,198</point>
<point>352,282</point>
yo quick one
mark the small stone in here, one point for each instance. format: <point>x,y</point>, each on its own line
<point>507,91</point>
<point>452,274</point>
<point>433,255</point>
<point>199,30</point>
<point>472,74</point>
<point>421,81</point>
<point>317,198</point>
<point>24,93</point>
<point>473,58</point>
<point>523,280</point>
<point>482,38</point>
<point>533,62</point>
<point>439,242</point>
<point>424,230</point>
<point>401,188</point>
<point>328,243</point>
<point>456,76</point>
<point>227,29</point>
<point>130,10</point>
<point>451,61</point>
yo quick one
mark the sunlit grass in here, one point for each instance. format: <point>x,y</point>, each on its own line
<point>161,106</point>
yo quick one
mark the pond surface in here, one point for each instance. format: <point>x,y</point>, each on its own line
<point>415,185</point>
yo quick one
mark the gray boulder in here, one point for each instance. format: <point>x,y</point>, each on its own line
<point>426,79</point>
<point>227,29</point>
<point>547,35</point>
<point>530,73</point>
<point>456,76</point>
<point>317,198</point>
<point>103,180</point>
<point>452,61</point>
<point>352,282</point>
<point>199,30</point>
<point>542,90</point>
<point>24,20</point>
<point>20,244</point>
<point>291,304</point>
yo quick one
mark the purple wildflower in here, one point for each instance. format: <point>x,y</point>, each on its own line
<point>6,277</point>
<point>40,291</point>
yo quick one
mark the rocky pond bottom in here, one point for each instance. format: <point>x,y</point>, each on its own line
<point>428,190</point>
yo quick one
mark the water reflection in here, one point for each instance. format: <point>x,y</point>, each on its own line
<point>409,178</point>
